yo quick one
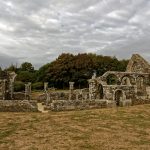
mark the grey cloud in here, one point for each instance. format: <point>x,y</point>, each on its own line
<point>6,60</point>
<point>39,30</point>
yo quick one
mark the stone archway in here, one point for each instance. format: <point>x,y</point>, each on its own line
<point>125,80</point>
<point>128,80</point>
<point>118,97</point>
<point>100,91</point>
<point>140,82</point>
<point>112,79</point>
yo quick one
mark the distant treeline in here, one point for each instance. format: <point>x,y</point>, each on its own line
<point>67,67</point>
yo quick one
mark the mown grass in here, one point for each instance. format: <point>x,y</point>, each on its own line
<point>5,132</point>
<point>101,129</point>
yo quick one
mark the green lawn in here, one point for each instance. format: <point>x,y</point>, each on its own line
<point>102,129</point>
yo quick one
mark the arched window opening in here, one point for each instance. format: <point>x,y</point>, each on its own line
<point>100,91</point>
<point>112,79</point>
<point>118,97</point>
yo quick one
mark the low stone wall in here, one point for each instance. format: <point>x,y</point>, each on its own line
<point>59,95</point>
<point>18,106</point>
<point>54,96</point>
<point>140,101</point>
<point>41,98</point>
<point>124,103</point>
<point>19,96</point>
<point>63,105</point>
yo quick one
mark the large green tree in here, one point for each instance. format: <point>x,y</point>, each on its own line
<point>78,68</point>
<point>26,66</point>
<point>26,76</point>
<point>68,67</point>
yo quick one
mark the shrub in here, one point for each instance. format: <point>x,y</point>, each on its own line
<point>37,86</point>
<point>26,76</point>
<point>19,86</point>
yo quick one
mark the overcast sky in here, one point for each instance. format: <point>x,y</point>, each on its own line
<point>39,30</point>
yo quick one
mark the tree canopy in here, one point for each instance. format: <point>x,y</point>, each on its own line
<point>68,67</point>
<point>78,68</point>
<point>26,66</point>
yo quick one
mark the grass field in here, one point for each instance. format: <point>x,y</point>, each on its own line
<point>103,129</point>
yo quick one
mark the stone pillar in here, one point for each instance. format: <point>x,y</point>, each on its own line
<point>77,96</point>
<point>45,86</point>
<point>28,91</point>
<point>92,89</point>
<point>94,75</point>
<point>47,93</point>
<point>29,84</point>
<point>11,89</point>
<point>12,77</point>
<point>71,88</point>
<point>4,89</point>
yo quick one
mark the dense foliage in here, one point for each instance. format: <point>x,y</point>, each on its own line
<point>78,68</point>
<point>19,86</point>
<point>38,86</point>
<point>68,67</point>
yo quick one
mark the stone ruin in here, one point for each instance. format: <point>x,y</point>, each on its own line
<point>112,89</point>
<point>7,85</point>
<point>11,101</point>
<point>131,87</point>
<point>128,88</point>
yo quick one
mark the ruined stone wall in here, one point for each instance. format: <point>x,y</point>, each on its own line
<point>18,106</point>
<point>41,98</point>
<point>140,101</point>
<point>109,91</point>
<point>7,85</point>
<point>75,95</point>
<point>19,96</point>
<point>148,92</point>
<point>64,105</point>
<point>138,64</point>
<point>59,95</point>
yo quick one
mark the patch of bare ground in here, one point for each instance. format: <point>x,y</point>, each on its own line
<point>102,129</point>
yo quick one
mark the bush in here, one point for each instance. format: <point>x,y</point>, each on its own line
<point>19,86</point>
<point>26,76</point>
<point>38,86</point>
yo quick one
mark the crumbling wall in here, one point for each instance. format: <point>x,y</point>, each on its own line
<point>138,64</point>
<point>109,91</point>
<point>59,95</point>
<point>140,101</point>
<point>19,96</point>
<point>64,105</point>
<point>18,106</point>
